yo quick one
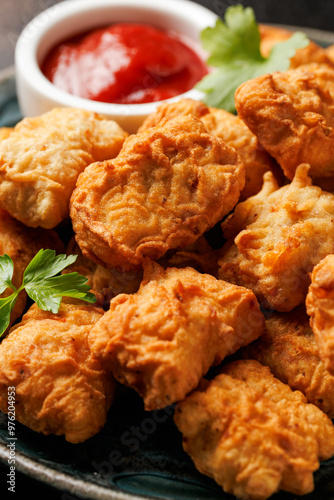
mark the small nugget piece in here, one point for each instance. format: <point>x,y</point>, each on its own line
<point>284,237</point>
<point>291,113</point>
<point>166,187</point>
<point>59,387</point>
<point>288,347</point>
<point>230,129</point>
<point>42,158</point>
<point>252,434</point>
<point>164,338</point>
<point>110,281</point>
<point>236,134</point>
<point>170,110</point>
<point>312,53</point>
<point>21,244</point>
<point>320,307</point>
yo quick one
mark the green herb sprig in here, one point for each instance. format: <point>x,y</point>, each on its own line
<point>234,52</point>
<point>42,283</point>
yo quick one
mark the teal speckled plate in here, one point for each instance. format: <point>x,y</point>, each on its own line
<point>138,454</point>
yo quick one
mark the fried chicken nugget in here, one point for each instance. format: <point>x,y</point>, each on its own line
<point>170,110</point>
<point>21,244</point>
<point>229,128</point>
<point>199,255</point>
<point>59,387</point>
<point>288,233</point>
<point>320,307</point>
<point>291,114</point>
<point>235,133</point>
<point>166,187</point>
<point>252,434</point>
<point>109,281</point>
<point>42,158</point>
<point>164,338</point>
<point>312,53</point>
<point>288,347</point>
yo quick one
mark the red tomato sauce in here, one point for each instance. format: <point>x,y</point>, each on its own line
<point>124,63</point>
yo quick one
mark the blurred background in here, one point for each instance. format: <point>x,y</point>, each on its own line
<point>15,14</point>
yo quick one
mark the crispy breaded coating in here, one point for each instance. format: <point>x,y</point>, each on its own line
<point>320,308</point>
<point>253,434</point>
<point>166,187</point>
<point>291,114</point>
<point>170,110</point>
<point>5,132</point>
<point>199,255</point>
<point>42,158</point>
<point>312,53</point>
<point>288,347</point>
<point>229,128</point>
<point>59,387</point>
<point>283,238</point>
<point>21,244</point>
<point>109,282</point>
<point>164,338</point>
<point>235,133</point>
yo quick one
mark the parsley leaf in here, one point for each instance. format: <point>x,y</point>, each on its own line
<point>234,48</point>
<point>42,284</point>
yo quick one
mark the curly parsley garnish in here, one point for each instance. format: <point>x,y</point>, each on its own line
<point>234,48</point>
<point>42,283</point>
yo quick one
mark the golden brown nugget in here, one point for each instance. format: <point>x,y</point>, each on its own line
<point>21,244</point>
<point>199,255</point>
<point>252,434</point>
<point>320,308</point>
<point>284,238</point>
<point>236,134</point>
<point>291,114</point>
<point>288,347</point>
<point>170,110</point>
<point>229,128</point>
<point>5,132</point>
<point>164,338</point>
<point>59,387</point>
<point>42,158</point>
<point>312,53</point>
<point>166,187</point>
<point>110,282</point>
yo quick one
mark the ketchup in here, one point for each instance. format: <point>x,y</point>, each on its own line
<point>124,63</point>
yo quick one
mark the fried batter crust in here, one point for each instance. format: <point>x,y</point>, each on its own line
<point>59,387</point>
<point>21,244</point>
<point>232,130</point>
<point>288,347</point>
<point>166,187</point>
<point>110,281</point>
<point>170,110</point>
<point>164,338</point>
<point>291,114</point>
<point>320,307</point>
<point>5,132</point>
<point>284,237</point>
<point>42,158</point>
<point>235,133</point>
<point>253,434</point>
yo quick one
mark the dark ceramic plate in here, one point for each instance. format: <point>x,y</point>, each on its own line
<point>138,454</point>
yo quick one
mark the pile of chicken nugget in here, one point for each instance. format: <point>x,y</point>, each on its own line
<point>256,302</point>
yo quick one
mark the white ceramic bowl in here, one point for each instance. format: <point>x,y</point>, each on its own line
<point>36,94</point>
